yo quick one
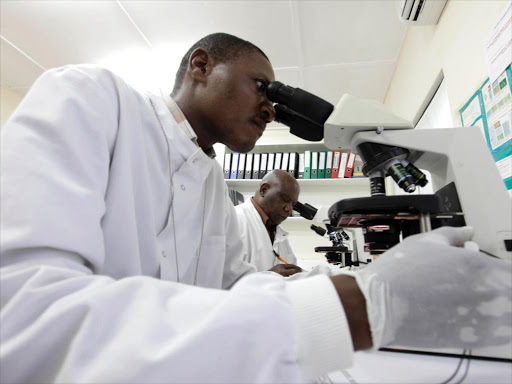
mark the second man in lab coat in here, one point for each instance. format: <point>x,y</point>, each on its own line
<point>266,243</point>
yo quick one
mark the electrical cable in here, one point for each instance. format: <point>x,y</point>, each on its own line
<point>467,368</point>
<point>457,369</point>
<point>489,254</point>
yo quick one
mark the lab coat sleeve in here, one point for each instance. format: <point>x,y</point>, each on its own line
<point>62,324</point>
<point>323,335</point>
<point>236,265</point>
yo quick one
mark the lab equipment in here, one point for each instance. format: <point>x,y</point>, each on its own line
<point>305,210</point>
<point>338,253</point>
<point>468,191</point>
<point>468,188</point>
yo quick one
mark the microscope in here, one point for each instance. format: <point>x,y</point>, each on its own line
<point>338,253</point>
<point>468,188</point>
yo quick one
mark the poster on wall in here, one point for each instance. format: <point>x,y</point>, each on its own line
<point>498,46</point>
<point>490,109</point>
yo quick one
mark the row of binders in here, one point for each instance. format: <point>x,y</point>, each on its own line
<point>307,165</point>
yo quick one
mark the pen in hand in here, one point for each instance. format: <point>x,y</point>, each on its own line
<point>279,257</point>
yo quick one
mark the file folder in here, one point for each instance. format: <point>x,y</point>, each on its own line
<point>263,165</point>
<point>293,164</point>
<point>248,166</point>
<point>358,167</point>
<point>307,164</point>
<point>314,165</point>
<point>328,165</point>
<point>301,166</point>
<point>278,159</point>
<point>234,165</point>
<point>271,162</point>
<point>350,165</point>
<point>241,166</point>
<point>285,161</point>
<point>256,166</point>
<point>321,164</point>
<point>227,165</point>
<point>343,165</point>
<point>336,164</point>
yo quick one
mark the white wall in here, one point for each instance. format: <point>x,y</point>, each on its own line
<point>8,103</point>
<point>454,46</point>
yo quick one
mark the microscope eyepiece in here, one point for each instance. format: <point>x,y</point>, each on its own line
<point>302,111</point>
<point>277,92</point>
<point>300,101</point>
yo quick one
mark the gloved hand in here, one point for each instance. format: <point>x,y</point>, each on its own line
<point>428,292</point>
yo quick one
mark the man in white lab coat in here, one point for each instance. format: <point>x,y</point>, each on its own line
<point>115,220</point>
<point>266,244</point>
<point>117,237</point>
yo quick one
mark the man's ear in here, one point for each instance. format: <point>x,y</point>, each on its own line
<point>263,189</point>
<point>200,64</point>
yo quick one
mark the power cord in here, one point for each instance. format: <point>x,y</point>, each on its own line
<point>468,360</point>
<point>464,356</point>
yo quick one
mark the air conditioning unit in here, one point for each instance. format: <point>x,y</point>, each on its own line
<point>420,12</point>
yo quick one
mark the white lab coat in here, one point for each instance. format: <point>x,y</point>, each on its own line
<point>87,253</point>
<point>258,249</point>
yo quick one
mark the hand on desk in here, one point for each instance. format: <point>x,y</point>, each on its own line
<point>285,269</point>
<point>429,292</point>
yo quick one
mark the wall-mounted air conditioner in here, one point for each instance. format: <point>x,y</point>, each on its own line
<point>420,12</point>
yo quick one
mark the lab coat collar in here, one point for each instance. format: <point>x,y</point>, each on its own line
<point>183,123</point>
<point>190,152</point>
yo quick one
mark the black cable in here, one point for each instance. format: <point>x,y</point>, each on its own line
<point>489,254</point>
<point>467,368</point>
<point>457,369</point>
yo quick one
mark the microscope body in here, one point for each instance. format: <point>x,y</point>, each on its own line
<point>468,187</point>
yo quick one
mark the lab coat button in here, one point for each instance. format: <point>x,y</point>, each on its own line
<point>194,161</point>
<point>182,187</point>
<point>164,254</point>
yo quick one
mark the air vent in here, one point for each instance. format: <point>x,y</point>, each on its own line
<point>420,12</point>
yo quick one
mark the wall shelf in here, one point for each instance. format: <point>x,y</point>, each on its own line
<point>253,183</point>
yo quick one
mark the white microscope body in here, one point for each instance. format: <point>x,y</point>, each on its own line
<point>468,189</point>
<point>458,155</point>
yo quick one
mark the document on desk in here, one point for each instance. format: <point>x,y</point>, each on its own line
<point>378,367</point>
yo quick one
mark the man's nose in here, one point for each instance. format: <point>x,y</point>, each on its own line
<point>268,110</point>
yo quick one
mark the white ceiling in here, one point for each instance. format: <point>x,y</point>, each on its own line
<point>326,47</point>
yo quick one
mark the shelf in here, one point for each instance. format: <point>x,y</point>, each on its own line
<point>356,181</point>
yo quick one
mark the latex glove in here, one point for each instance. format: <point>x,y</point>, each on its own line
<point>428,292</point>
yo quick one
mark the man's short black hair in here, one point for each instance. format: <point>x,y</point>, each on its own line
<point>222,47</point>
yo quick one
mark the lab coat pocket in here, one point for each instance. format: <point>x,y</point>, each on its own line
<point>211,264</point>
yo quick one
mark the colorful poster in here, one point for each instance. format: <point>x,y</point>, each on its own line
<point>497,99</point>
<point>490,108</point>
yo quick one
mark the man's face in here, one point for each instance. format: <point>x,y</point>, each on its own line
<point>234,101</point>
<point>278,200</point>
